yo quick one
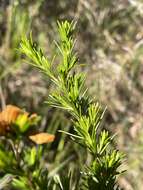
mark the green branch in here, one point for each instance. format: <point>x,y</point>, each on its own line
<point>71,95</point>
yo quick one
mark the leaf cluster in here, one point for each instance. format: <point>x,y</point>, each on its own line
<point>71,95</point>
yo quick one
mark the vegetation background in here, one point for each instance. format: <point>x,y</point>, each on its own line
<point>110,44</point>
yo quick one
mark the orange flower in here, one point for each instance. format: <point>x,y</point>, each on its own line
<point>10,113</point>
<point>14,115</point>
<point>42,138</point>
<point>7,117</point>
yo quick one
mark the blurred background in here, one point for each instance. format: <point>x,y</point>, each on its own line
<point>109,43</point>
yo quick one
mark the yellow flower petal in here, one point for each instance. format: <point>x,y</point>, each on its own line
<point>42,138</point>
